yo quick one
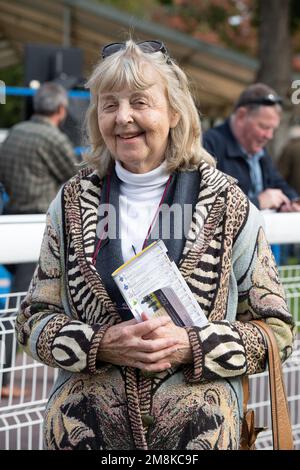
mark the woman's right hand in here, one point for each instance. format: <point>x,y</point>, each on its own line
<point>123,345</point>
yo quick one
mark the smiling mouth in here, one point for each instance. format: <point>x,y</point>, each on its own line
<point>129,137</point>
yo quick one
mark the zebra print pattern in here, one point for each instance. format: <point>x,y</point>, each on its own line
<point>87,295</point>
<point>223,351</point>
<point>206,263</point>
<point>222,354</point>
<point>212,185</point>
<point>71,346</point>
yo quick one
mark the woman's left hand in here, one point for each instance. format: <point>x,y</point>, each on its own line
<point>183,354</point>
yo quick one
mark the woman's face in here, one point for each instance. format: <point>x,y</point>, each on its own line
<point>135,124</point>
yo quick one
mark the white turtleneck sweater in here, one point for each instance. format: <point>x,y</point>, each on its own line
<point>140,195</point>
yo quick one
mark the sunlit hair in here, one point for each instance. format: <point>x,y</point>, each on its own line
<point>125,68</point>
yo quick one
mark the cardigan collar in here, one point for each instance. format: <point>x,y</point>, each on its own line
<point>82,199</point>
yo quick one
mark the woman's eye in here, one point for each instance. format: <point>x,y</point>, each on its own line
<point>109,106</point>
<point>139,103</point>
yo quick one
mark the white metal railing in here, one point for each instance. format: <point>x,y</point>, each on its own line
<point>21,418</point>
<point>259,400</point>
<point>21,235</point>
<point>290,276</point>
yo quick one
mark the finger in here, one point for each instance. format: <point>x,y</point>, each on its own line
<point>286,207</point>
<point>285,199</point>
<point>161,332</point>
<point>133,321</point>
<point>158,344</point>
<point>296,206</point>
<point>150,358</point>
<point>144,328</point>
<point>154,368</point>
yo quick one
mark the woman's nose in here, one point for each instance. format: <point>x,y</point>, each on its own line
<point>124,114</point>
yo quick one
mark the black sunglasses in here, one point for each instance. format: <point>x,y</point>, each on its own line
<point>148,47</point>
<point>268,100</point>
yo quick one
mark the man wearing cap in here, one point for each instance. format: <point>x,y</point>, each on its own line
<point>239,148</point>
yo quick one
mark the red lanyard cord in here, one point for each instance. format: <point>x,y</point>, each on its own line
<point>105,230</point>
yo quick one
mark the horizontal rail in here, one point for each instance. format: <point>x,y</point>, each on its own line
<point>21,235</point>
<point>27,91</point>
<point>282,228</point>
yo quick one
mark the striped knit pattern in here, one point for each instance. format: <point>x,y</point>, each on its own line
<point>87,294</point>
<point>193,372</point>
<point>134,410</point>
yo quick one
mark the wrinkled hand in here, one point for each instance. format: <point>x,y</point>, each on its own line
<point>183,352</point>
<point>272,199</point>
<point>130,344</point>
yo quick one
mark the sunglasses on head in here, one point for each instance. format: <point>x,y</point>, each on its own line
<point>268,100</point>
<point>149,47</point>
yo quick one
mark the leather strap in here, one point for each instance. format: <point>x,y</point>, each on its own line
<point>246,393</point>
<point>281,425</point>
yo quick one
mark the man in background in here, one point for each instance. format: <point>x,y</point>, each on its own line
<point>35,160</point>
<point>239,148</point>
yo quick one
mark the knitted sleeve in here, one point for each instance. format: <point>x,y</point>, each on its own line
<point>230,349</point>
<point>43,328</point>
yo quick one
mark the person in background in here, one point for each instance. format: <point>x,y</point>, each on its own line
<point>36,158</point>
<point>150,384</point>
<point>289,167</point>
<point>238,146</point>
<point>289,160</point>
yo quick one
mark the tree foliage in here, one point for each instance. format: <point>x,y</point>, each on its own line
<point>229,23</point>
<point>12,110</point>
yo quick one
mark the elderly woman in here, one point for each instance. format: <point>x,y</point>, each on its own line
<point>124,384</point>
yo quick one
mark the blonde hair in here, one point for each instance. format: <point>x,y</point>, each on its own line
<point>125,68</point>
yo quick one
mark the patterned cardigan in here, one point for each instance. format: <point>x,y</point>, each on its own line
<point>230,269</point>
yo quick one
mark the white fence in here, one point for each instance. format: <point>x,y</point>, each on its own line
<point>21,418</point>
<point>259,393</point>
<point>280,228</point>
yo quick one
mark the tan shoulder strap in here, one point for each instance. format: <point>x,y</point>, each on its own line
<point>246,392</point>
<point>281,425</point>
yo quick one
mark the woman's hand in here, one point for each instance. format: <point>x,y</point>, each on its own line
<point>135,344</point>
<point>183,352</point>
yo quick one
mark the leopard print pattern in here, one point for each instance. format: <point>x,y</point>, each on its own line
<point>237,208</point>
<point>46,338</point>
<point>254,345</point>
